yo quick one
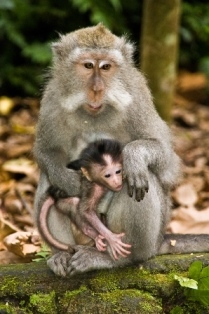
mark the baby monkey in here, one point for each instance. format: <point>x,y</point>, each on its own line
<point>101,165</point>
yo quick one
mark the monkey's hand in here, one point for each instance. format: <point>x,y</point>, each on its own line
<point>117,246</point>
<point>135,170</point>
<point>100,245</point>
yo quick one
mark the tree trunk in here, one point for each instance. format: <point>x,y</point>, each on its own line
<point>159,46</point>
<point>148,288</point>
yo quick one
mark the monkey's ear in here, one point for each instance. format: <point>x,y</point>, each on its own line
<point>58,51</point>
<point>62,48</point>
<point>86,173</point>
<point>126,47</point>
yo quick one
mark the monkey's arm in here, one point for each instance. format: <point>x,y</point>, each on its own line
<point>53,161</point>
<point>141,156</point>
<point>114,240</point>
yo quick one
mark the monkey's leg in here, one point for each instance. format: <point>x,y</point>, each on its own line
<point>69,207</point>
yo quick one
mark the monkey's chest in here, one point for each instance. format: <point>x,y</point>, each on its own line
<point>82,139</point>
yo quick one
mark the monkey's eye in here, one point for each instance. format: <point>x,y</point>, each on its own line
<point>106,66</point>
<point>88,65</point>
<point>118,171</point>
<point>107,175</point>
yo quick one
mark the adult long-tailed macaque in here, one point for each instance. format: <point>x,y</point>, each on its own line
<point>101,165</point>
<point>96,92</point>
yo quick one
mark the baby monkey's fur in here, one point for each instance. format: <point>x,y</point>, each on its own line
<point>101,165</point>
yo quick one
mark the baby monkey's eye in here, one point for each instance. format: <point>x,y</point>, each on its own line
<point>106,66</point>
<point>118,171</point>
<point>88,65</point>
<point>107,175</point>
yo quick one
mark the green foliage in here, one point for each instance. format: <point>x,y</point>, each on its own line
<point>27,28</point>
<point>197,285</point>
<point>194,34</point>
<point>102,11</point>
<point>43,254</point>
<point>177,310</point>
<point>197,272</point>
<point>186,282</point>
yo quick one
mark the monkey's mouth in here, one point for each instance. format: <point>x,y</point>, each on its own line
<point>118,188</point>
<point>94,108</point>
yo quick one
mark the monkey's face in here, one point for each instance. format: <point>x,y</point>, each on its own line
<point>90,66</point>
<point>95,71</point>
<point>109,175</point>
<point>92,81</point>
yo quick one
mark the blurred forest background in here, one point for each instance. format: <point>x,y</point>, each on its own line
<point>27,28</point>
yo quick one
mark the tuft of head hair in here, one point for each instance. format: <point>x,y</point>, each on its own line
<point>94,37</point>
<point>94,153</point>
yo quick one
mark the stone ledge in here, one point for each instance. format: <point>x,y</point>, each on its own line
<point>145,288</point>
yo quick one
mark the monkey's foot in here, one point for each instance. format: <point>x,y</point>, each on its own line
<point>59,263</point>
<point>89,258</point>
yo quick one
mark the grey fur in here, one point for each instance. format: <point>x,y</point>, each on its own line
<point>150,164</point>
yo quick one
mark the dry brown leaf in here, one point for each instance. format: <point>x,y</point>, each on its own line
<point>190,81</point>
<point>6,105</point>
<point>20,165</point>
<point>189,220</point>
<point>185,195</point>
<point>6,186</point>
<point>15,150</point>
<point>12,204</point>
<point>25,219</point>
<point>198,182</point>
<point>20,244</point>
<point>6,227</point>
<point>7,257</point>
<point>185,118</point>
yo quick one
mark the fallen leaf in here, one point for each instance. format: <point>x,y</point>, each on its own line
<point>185,195</point>
<point>6,227</point>
<point>20,244</point>
<point>189,220</point>
<point>6,105</point>
<point>20,165</point>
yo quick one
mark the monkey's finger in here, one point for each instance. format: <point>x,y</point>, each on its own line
<point>130,189</point>
<point>118,248</point>
<point>100,248</point>
<point>141,190</point>
<point>123,252</point>
<point>140,194</point>
<point>101,243</point>
<point>122,249</point>
<point>119,242</point>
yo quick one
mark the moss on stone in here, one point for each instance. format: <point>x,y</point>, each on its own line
<point>116,301</point>
<point>43,303</point>
<point>132,278</point>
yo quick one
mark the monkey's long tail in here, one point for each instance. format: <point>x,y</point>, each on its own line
<point>44,228</point>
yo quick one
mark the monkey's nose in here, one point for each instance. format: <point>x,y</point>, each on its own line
<point>98,85</point>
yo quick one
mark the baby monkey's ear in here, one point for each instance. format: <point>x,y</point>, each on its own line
<point>86,173</point>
